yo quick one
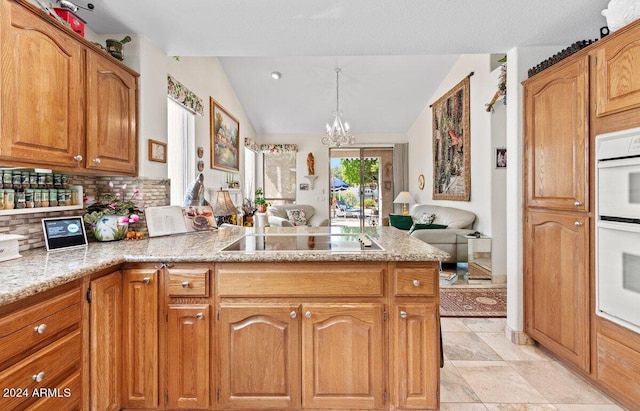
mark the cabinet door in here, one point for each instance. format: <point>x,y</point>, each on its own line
<point>140,377</point>
<point>42,81</point>
<point>105,334</point>
<point>415,353</point>
<point>342,357</point>
<point>618,73</point>
<point>188,356</point>
<point>557,284</point>
<point>556,138</point>
<point>111,115</point>
<point>259,356</point>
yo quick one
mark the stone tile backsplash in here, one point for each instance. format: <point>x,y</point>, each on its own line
<point>153,192</point>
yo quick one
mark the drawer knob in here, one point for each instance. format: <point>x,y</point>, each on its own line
<point>308,314</point>
<point>185,284</point>
<point>146,280</point>
<point>199,316</point>
<point>77,157</point>
<point>416,283</point>
<point>40,329</point>
<point>38,377</point>
<point>578,224</point>
<point>578,204</point>
<point>403,314</point>
<point>96,161</point>
<point>293,314</point>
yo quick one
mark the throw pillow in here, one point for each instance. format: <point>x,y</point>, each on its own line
<point>418,226</point>
<point>426,218</point>
<point>296,216</point>
<point>400,221</point>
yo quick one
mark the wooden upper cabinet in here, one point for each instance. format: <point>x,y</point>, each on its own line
<point>618,72</point>
<point>111,116</point>
<point>556,284</point>
<point>43,89</point>
<point>556,137</point>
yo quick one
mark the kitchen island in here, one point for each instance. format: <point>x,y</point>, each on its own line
<point>176,322</point>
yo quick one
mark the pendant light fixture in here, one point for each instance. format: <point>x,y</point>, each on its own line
<point>338,133</point>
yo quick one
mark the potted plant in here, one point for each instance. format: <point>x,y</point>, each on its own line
<point>261,203</point>
<point>110,215</point>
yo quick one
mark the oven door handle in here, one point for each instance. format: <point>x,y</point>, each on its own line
<point>633,228</point>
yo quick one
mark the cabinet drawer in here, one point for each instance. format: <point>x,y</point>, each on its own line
<point>39,324</point>
<point>50,365</point>
<point>618,368</point>
<point>66,397</point>
<point>414,281</point>
<point>188,282</point>
<point>304,280</point>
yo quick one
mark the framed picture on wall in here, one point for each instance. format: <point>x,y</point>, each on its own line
<point>501,157</point>
<point>225,138</point>
<point>157,151</point>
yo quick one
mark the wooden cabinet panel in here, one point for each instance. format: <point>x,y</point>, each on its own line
<point>140,373</point>
<point>111,113</point>
<point>188,375</point>
<point>342,357</point>
<point>188,282</point>
<point>105,334</point>
<point>416,347</point>
<point>41,110</point>
<point>618,368</point>
<point>618,72</point>
<point>67,399</point>
<point>556,138</point>
<point>557,284</point>
<point>259,356</point>
<point>415,280</point>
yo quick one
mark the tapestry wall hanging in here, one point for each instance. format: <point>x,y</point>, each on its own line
<point>451,145</point>
<point>225,139</point>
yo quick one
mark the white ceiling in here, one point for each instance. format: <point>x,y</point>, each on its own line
<point>393,53</point>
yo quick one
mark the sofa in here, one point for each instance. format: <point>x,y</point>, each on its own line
<point>453,224</point>
<point>291,215</point>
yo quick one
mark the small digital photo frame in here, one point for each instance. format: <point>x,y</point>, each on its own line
<point>63,233</point>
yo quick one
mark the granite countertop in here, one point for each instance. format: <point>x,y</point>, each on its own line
<point>38,271</point>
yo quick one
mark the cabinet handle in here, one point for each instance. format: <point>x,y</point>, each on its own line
<point>578,204</point>
<point>38,377</point>
<point>146,280</point>
<point>199,316</point>
<point>96,161</point>
<point>185,284</point>
<point>416,283</point>
<point>308,314</point>
<point>40,329</point>
<point>293,314</point>
<point>578,224</point>
<point>403,314</point>
<point>77,157</point>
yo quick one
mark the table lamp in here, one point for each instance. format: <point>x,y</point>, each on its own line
<point>404,198</point>
<point>223,208</point>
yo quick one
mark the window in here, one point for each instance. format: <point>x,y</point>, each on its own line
<point>181,153</point>
<point>280,176</point>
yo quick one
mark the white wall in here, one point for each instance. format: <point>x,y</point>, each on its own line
<point>498,191</point>
<point>202,75</point>
<point>319,196</point>
<point>483,86</point>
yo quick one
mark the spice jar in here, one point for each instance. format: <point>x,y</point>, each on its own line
<point>7,179</point>
<point>65,181</point>
<point>57,181</point>
<point>20,199</point>
<point>25,180</point>
<point>42,180</point>
<point>9,199</point>
<point>37,198</point>
<point>75,198</point>
<point>16,180</point>
<point>48,178</point>
<point>28,197</point>
<point>45,197</point>
<point>1,199</point>
<point>33,179</point>
<point>53,197</point>
<point>61,201</point>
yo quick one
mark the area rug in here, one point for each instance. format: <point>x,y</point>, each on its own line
<point>473,302</point>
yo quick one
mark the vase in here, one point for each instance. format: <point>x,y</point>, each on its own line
<point>110,228</point>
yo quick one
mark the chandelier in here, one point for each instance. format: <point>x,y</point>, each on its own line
<point>338,133</point>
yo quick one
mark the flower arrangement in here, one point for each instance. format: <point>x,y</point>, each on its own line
<point>113,204</point>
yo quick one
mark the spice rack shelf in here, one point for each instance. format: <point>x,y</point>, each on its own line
<point>34,210</point>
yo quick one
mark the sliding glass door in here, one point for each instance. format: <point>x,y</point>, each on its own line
<point>361,193</point>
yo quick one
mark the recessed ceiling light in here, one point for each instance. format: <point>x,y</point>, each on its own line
<point>276,75</point>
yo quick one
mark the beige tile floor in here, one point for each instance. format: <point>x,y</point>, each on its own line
<point>484,371</point>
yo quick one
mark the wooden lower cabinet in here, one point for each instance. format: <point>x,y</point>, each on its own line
<point>105,335</point>
<point>259,355</point>
<point>140,342</point>
<point>188,348</point>
<point>414,351</point>
<point>557,284</point>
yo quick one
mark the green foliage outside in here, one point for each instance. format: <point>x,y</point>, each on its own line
<point>351,171</point>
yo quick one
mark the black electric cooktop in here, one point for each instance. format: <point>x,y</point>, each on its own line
<point>304,242</point>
